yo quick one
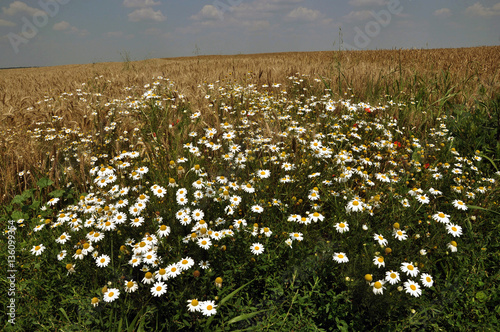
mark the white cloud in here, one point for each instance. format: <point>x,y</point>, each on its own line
<point>443,12</point>
<point>208,12</point>
<point>359,3</point>
<point>5,23</point>
<point>359,15</point>
<point>146,14</point>
<point>61,26</point>
<point>304,14</point>
<point>68,28</point>
<point>20,7</point>
<point>140,3</point>
<point>478,9</point>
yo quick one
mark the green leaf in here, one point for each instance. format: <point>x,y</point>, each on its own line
<point>245,316</point>
<point>474,207</point>
<point>16,215</point>
<point>44,182</point>
<point>57,193</point>
<point>65,315</point>
<point>18,199</point>
<point>228,297</point>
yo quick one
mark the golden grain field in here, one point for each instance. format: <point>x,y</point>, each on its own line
<point>462,75</point>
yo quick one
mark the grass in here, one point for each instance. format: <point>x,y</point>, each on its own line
<point>224,155</point>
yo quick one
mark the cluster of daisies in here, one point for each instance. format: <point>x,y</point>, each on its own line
<point>332,155</point>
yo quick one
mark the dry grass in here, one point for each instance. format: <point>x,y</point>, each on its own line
<point>462,76</point>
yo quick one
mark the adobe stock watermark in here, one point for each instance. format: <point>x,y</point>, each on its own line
<point>224,6</point>
<point>372,29</point>
<point>31,27</point>
<point>11,272</point>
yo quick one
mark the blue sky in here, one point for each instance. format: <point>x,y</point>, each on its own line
<point>58,32</point>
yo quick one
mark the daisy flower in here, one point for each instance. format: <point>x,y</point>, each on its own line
<point>316,216</point>
<point>193,305</point>
<point>340,257</point>
<point>441,217</point>
<point>78,254</point>
<point>186,263</point>
<point>452,246</point>
<point>163,231</point>
<point>380,239</point>
<point>111,295</point>
<point>257,248</point>
<point>159,288</point>
<point>94,302</point>
<point>423,199</point>
<point>198,214</point>
<point>257,209</point>
<point>266,231</point>
<point>426,280</point>
<point>378,287</point>
<point>63,238</point>
<point>148,278</point>
<point>296,236</point>
<point>102,261</point>
<point>135,261</point>
<point>342,227</point>
<point>354,206</point>
<point>173,270</point>
<point>61,255</point>
<point>400,235</point>
<point>379,261</point>
<point>204,243</point>
<point>263,173</point>
<point>37,250</point>
<point>392,277</point>
<point>454,230</point>
<point>409,269</point>
<point>458,204</point>
<point>412,288</point>
<point>204,265</point>
<point>161,274</point>
<point>207,308</point>
<point>131,286</point>
<point>53,201</point>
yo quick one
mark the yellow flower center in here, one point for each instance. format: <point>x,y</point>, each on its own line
<point>355,203</point>
<point>194,303</point>
<point>130,284</point>
<point>110,294</point>
<point>341,256</point>
<point>341,225</point>
<point>38,248</point>
<point>410,267</point>
<point>158,288</point>
<point>378,285</point>
<point>148,275</point>
<point>428,279</point>
<point>209,307</point>
<point>381,259</point>
<point>413,287</point>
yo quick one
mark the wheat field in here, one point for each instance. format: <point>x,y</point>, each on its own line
<point>436,77</point>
